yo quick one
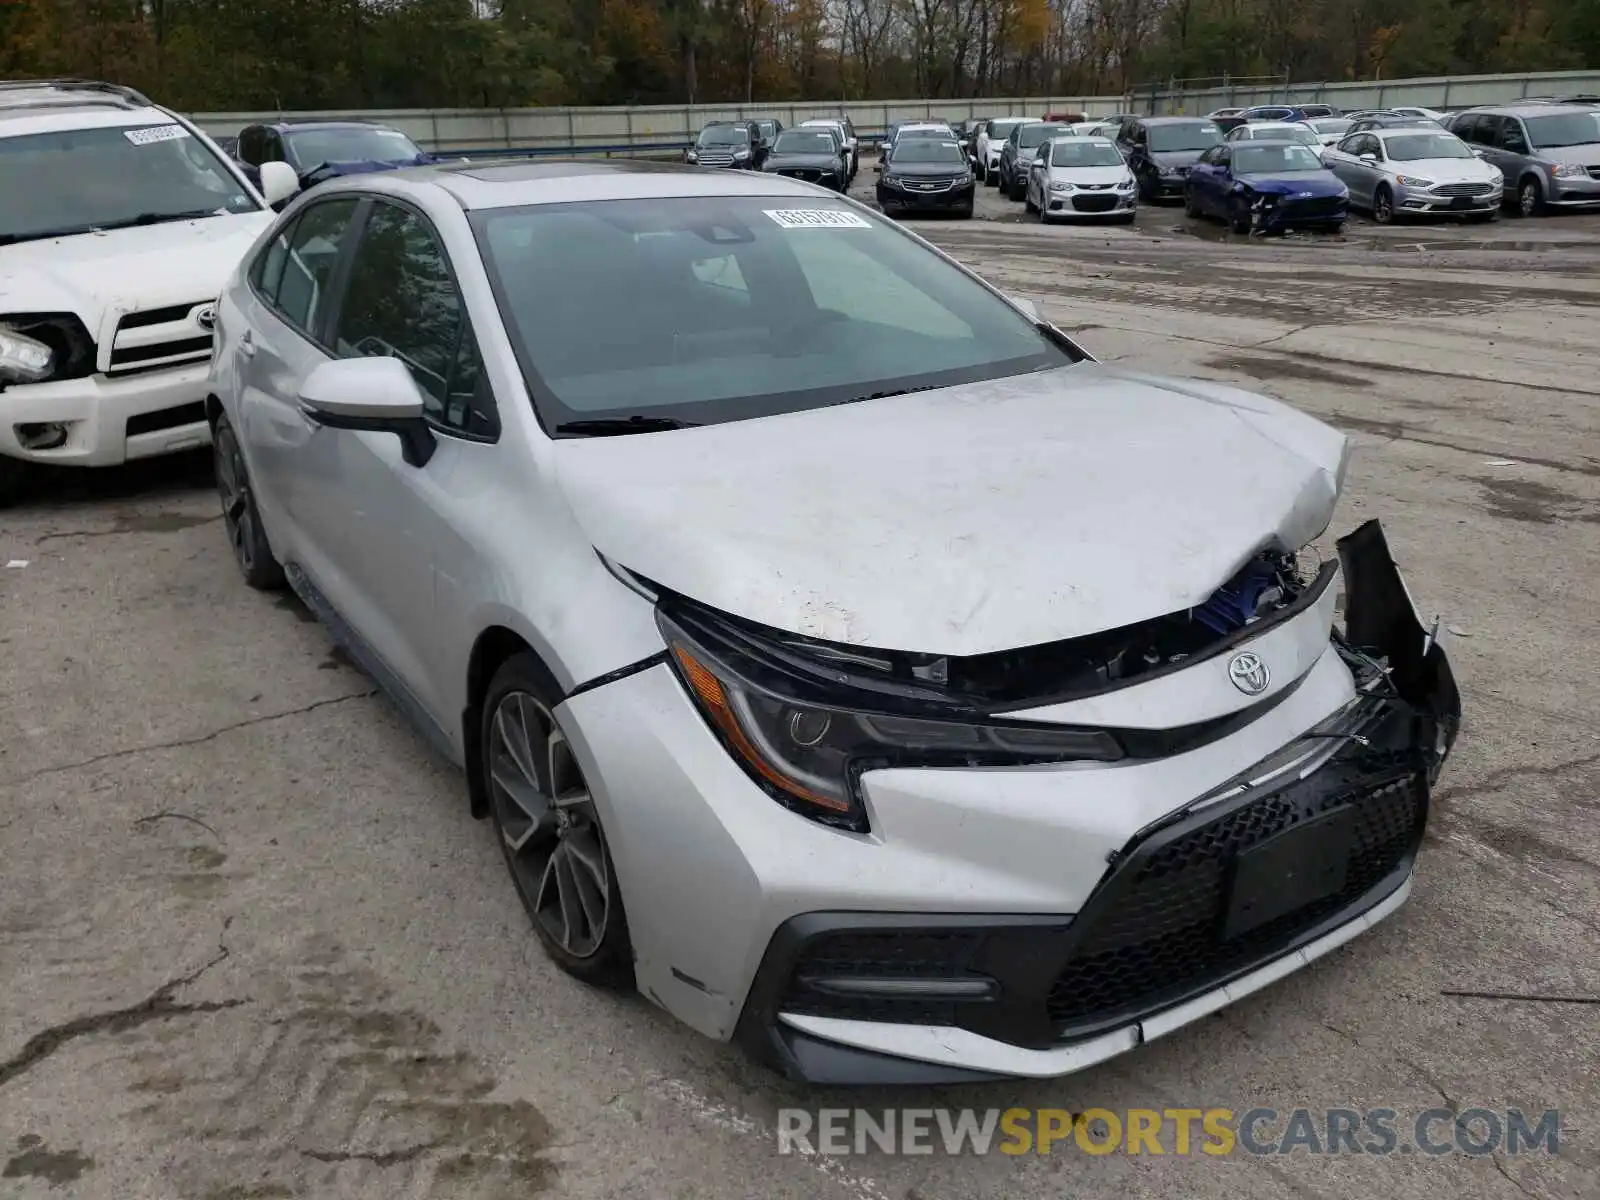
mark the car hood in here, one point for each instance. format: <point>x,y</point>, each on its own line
<point>101,275</point>
<point>1579,156</point>
<point>821,162</point>
<point>1315,183</point>
<point>968,519</point>
<point>1086,175</point>
<point>924,170</point>
<point>1448,170</point>
<point>1174,158</point>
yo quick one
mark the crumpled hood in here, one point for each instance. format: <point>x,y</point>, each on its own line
<point>1295,183</point>
<point>100,275</point>
<point>968,519</point>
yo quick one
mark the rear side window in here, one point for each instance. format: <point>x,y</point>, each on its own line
<point>293,272</point>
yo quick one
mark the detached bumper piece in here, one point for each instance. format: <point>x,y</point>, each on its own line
<point>1292,849</point>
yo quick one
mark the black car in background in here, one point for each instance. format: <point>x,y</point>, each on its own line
<point>921,174</point>
<point>769,128</point>
<point>323,150</point>
<point>1160,151</point>
<point>815,155</point>
<point>736,144</point>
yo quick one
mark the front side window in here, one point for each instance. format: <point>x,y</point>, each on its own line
<point>402,302</point>
<point>1169,139</point>
<point>312,148</point>
<point>718,309</point>
<point>298,286</point>
<point>83,180</point>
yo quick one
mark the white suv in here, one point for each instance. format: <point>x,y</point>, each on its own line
<point>118,227</point>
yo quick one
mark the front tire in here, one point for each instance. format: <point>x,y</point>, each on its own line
<point>1530,197</point>
<point>1240,218</point>
<point>1383,206</point>
<point>1191,202</point>
<point>549,828</point>
<point>240,514</point>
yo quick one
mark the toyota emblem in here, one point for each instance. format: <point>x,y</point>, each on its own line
<point>206,316</point>
<point>1249,673</point>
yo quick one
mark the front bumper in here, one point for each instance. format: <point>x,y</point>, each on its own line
<point>1431,203</point>
<point>1573,192</point>
<point>106,420</point>
<point>902,200</point>
<point>1089,205</point>
<point>1167,187</point>
<point>1277,213</point>
<point>1079,908</point>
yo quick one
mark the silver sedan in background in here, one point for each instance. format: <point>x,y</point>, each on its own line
<point>1416,171</point>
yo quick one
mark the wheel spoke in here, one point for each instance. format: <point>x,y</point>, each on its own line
<point>544,902</point>
<point>589,876</point>
<point>567,894</point>
<point>510,723</point>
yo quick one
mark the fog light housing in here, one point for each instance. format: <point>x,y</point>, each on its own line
<point>42,435</point>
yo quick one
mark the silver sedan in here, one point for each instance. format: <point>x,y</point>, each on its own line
<point>1417,172</point>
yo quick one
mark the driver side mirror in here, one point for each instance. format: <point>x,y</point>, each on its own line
<point>1476,153</point>
<point>371,395</point>
<point>278,182</point>
<point>1370,158</point>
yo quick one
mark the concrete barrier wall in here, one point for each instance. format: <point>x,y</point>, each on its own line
<point>620,130</point>
<point>1456,91</point>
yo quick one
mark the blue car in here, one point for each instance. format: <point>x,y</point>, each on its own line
<point>1265,187</point>
<point>323,150</point>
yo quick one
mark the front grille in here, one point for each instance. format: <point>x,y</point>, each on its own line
<point>929,185</point>
<point>156,338</point>
<point>714,159</point>
<point>1094,204</point>
<point>1463,189</point>
<point>1096,187</point>
<point>1315,206</point>
<point>166,418</point>
<point>809,174</point>
<point>1153,934</point>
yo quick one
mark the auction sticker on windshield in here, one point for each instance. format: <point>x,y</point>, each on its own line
<point>817,218</point>
<point>151,134</point>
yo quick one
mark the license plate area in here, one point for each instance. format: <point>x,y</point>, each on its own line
<point>1289,871</point>
<point>1462,202</point>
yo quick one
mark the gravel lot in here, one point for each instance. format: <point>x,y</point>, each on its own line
<point>252,945</point>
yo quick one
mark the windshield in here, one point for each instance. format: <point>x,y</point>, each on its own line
<point>1000,130</point>
<point>1030,136</point>
<point>1412,146</point>
<point>924,131</point>
<point>313,147</point>
<point>1565,129</point>
<point>1171,138</point>
<point>1332,125</point>
<point>798,142</point>
<point>719,309</point>
<point>1077,152</point>
<point>1287,133</point>
<point>724,135</point>
<point>1262,160</point>
<point>83,179</point>
<point>926,150</point>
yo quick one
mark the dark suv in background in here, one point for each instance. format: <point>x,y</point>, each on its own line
<point>736,144</point>
<point>1160,151</point>
<point>323,150</point>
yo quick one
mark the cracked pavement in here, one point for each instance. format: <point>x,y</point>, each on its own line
<point>252,944</point>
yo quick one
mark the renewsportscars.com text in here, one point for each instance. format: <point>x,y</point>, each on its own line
<point>1214,1132</point>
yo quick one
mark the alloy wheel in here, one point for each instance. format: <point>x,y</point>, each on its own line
<point>1382,207</point>
<point>1528,198</point>
<point>546,816</point>
<point>238,506</point>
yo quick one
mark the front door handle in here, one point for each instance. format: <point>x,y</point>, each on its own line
<point>247,344</point>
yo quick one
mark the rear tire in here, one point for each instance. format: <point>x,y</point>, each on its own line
<point>240,514</point>
<point>549,829</point>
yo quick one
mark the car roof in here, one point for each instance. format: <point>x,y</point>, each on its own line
<point>1529,110</point>
<point>1175,120</point>
<point>288,124</point>
<point>520,182</point>
<point>17,121</point>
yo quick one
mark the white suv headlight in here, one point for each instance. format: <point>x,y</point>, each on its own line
<point>22,359</point>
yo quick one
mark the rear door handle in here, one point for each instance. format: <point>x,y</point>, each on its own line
<point>247,344</point>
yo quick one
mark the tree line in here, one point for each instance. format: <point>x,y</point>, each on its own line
<point>219,55</point>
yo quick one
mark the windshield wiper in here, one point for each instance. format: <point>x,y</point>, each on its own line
<point>160,218</point>
<point>927,387</point>
<point>11,239</point>
<point>614,426</point>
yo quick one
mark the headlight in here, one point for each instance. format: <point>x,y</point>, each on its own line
<point>1060,187</point>
<point>691,156</point>
<point>1570,171</point>
<point>1126,185</point>
<point>64,338</point>
<point>741,154</point>
<point>22,359</point>
<point>808,756</point>
<point>1167,172</point>
<point>890,181</point>
<point>1413,181</point>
